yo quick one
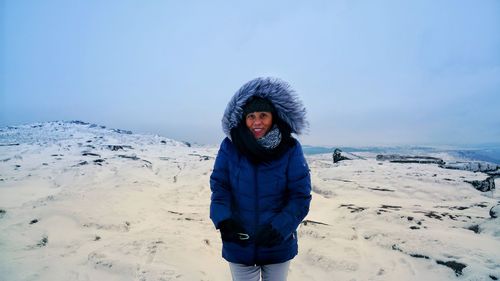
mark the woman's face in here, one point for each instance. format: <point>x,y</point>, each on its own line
<point>259,123</point>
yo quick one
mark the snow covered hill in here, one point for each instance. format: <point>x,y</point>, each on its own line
<point>79,201</point>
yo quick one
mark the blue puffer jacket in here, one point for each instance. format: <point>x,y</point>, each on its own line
<point>276,192</point>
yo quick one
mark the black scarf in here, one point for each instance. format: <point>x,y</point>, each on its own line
<point>246,143</point>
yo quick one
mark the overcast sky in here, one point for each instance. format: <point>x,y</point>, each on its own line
<point>369,72</point>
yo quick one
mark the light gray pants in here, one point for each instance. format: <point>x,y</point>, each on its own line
<point>269,272</point>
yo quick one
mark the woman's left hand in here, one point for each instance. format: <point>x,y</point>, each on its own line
<point>267,236</point>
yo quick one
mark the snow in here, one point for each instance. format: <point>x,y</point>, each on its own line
<point>141,213</point>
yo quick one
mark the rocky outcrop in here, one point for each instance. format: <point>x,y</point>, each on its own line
<point>120,131</point>
<point>475,166</point>
<point>486,185</point>
<point>337,156</point>
<point>495,211</point>
<point>396,158</point>
<point>114,147</point>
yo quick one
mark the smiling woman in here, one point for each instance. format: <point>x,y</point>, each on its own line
<point>261,186</point>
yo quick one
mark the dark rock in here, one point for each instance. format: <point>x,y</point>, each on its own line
<point>2,213</point>
<point>114,147</point>
<point>202,157</point>
<point>337,156</point>
<point>493,277</point>
<point>90,154</point>
<point>431,214</point>
<point>78,122</point>
<point>187,143</point>
<point>456,266</point>
<point>82,163</point>
<point>353,208</point>
<point>474,228</point>
<point>43,242</point>
<point>33,221</point>
<point>397,208</point>
<point>382,189</point>
<point>481,205</point>
<point>486,185</point>
<point>471,166</point>
<point>418,256</point>
<point>97,238</point>
<point>120,131</point>
<point>495,211</point>
<point>396,248</point>
<point>163,142</point>
<point>99,161</point>
<point>414,227</point>
<point>396,158</point>
<point>133,157</point>
<point>8,144</point>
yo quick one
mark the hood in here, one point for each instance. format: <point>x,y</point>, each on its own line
<point>288,106</point>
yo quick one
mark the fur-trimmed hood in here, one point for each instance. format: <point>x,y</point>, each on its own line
<point>288,105</point>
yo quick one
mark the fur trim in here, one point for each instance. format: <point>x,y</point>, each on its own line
<point>288,105</point>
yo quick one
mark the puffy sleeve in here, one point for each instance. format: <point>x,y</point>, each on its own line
<point>299,194</point>
<point>220,201</point>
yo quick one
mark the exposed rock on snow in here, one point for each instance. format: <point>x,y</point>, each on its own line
<point>118,147</point>
<point>337,156</point>
<point>396,158</point>
<point>472,166</point>
<point>495,211</point>
<point>485,185</point>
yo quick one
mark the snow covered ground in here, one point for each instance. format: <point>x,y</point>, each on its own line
<point>83,202</point>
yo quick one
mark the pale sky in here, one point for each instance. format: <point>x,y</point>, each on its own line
<point>369,72</point>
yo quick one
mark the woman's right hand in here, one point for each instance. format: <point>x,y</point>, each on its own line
<point>232,231</point>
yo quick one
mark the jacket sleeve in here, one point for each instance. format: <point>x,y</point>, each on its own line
<point>220,201</point>
<point>299,194</point>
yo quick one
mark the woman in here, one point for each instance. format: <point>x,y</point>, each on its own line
<point>261,187</point>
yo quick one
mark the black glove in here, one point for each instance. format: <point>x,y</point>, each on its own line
<point>267,236</point>
<point>232,231</point>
